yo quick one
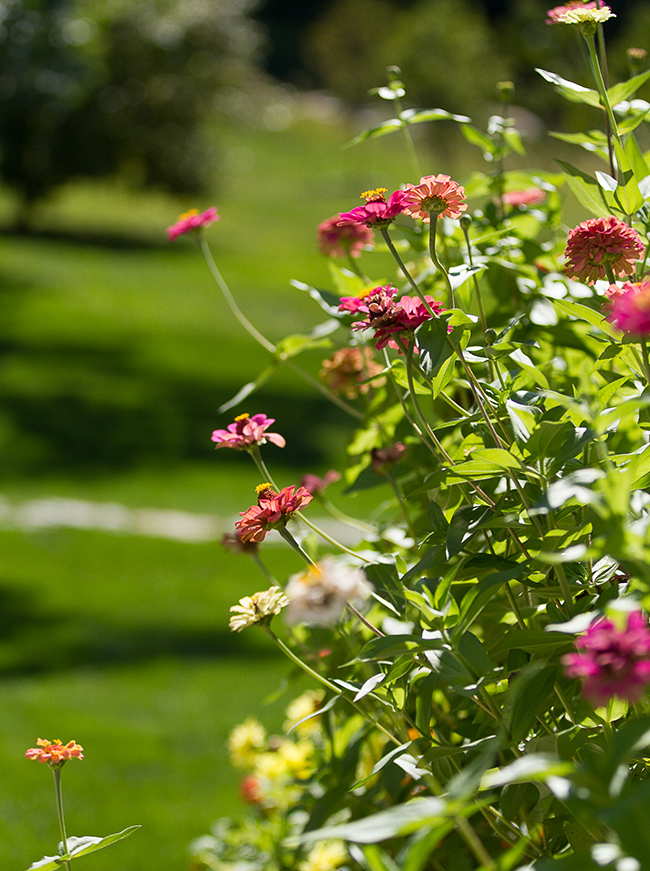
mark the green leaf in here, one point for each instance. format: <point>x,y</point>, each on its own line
<point>531,767</point>
<point>476,137</point>
<point>586,189</point>
<point>593,140</point>
<point>570,90</point>
<point>327,300</point>
<point>248,389</point>
<point>417,116</point>
<point>627,195</point>
<point>530,639</point>
<point>444,376</point>
<point>293,345</point>
<point>624,90</point>
<point>584,313</point>
<point>530,692</point>
<point>80,847</point>
<point>464,524</point>
<point>637,161</point>
<point>478,597</point>
<point>347,283</point>
<point>434,345</point>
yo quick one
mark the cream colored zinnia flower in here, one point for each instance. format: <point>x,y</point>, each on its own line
<point>325,856</point>
<point>246,742</point>
<point>583,16</point>
<point>319,595</point>
<point>308,703</point>
<point>258,608</point>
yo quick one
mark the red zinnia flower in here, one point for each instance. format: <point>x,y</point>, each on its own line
<point>435,195</point>
<point>337,239</point>
<point>377,212</point>
<point>613,662</point>
<point>192,220</point>
<point>601,242</point>
<point>273,510</point>
<point>55,753</point>
<point>629,307</point>
<point>247,431</point>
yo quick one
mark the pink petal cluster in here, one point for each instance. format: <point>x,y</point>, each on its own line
<point>246,432</point>
<point>388,316</point>
<point>377,212</point>
<point>601,242</point>
<point>192,220</point>
<point>337,239</point>
<point>348,368</point>
<point>317,486</point>
<point>528,197</point>
<point>554,16</point>
<point>437,195</point>
<point>613,662</point>
<point>382,460</point>
<point>272,511</point>
<point>55,752</point>
<point>629,307</point>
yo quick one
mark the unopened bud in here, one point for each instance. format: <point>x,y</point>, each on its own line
<point>506,91</point>
<point>490,336</point>
<point>465,221</point>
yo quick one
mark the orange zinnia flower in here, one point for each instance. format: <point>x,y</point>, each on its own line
<point>55,753</point>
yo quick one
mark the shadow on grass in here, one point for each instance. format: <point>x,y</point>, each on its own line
<point>34,642</point>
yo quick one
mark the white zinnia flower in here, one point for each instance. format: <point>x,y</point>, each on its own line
<point>320,594</point>
<point>580,16</point>
<point>258,608</point>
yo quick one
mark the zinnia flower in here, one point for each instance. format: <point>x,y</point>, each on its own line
<point>306,705</point>
<point>613,662</point>
<point>528,197</point>
<point>348,368</point>
<point>258,608</point>
<point>319,594</point>
<point>553,15</point>
<point>325,856</point>
<point>388,316</point>
<point>55,753</point>
<point>192,221</point>
<point>337,239</point>
<point>598,243</point>
<point>247,432</point>
<point>245,742</point>
<point>317,486</point>
<point>382,460</point>
<point>377,212</point>
<point>272,511</point>
<point>435,195</point>
<point>629,307</point>
<point>577,12</point>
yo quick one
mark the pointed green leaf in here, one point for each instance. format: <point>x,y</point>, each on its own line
<point>624,90</point>
<point>586,189</point>
<point>570,90</point>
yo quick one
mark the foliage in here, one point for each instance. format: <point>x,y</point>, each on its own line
<point>512,431</point>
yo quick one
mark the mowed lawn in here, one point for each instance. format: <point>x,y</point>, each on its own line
<point>113,362</point>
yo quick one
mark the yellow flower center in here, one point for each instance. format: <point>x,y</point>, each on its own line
<point>262,487</point>
<point>243,416</point>
<point>189,214</point>
<point>373,196</point>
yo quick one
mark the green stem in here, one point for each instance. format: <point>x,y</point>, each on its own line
<point>59,810</point>
<point>331,540</point>
<point>345,518</point>
<point>393,250</point>
<point>341,403</point>
<point>479,300</point>
<point>402,502</point>
<point>408,140</point>
<point>602,90</point>
<point>291,541</point>
<point>436,260</point>
<point>267,574</point>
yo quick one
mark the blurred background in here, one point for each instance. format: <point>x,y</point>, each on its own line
<point>116,352</point>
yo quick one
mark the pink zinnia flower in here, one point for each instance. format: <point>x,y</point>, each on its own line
<point>629,307</point>
<point>192,220</point>
<point>337,239</point>
<point>272,511</point>
<point>317,486</point>
<point>601,242</point>
<point>55,752</point>
<point>388,316</point>
<point>348,368</point>
<point>554,15</point>
<point>383,459</point>
<point>377,212</point>
<point>613,662</point>
<point>528,197</point>
<point>247,432</point>
<point>437,195</point>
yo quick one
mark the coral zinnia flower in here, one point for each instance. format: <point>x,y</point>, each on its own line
<point>629,307</point>
<point>601,242</point>
<point>258,608</point>
<point>528,197</point>
<point>55,753</point>
<point>247,432</point>
<point>337,239</point>
<point>435,195</point>
<point>192,220</point>
<point>346,370</point>
<point>614,662</point>
<point>272,511</point>
<point>377,212</point>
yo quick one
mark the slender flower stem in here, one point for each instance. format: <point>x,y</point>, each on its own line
<point>603,64</point>
<point>393,250</point>
<point>436,260</point>
<point>399,495</point>
<point>341,403</point>
<point>59,810</point>
<point>267,574</point>
<point>291,541</point>
<point>479,300</point>
<point>345,518</point>
<point>364,620</point>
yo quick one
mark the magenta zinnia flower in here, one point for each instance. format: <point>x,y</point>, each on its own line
<point>528,197</point>
<point>315,485</point>
<point>612,662</point>
<point>192,220</point>
<point>272,511</point>
<point>435,195</point>
<point>337,239</point>
<point>377,212</point>
<point>629,307</point>
<point>247,432</point>
<point>598,243</point>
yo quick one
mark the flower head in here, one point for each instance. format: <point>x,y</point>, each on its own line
<point>245,742</point>
<point>247,432</point>
<point>388,316</point>
<point>579,12</point>
<point>272,511</point>
<point>306,705</point>
<point>613,662</point>
<point>319,594</point>
<point>528,197</point>
<point>378,211</point>
<point>192,221</point>
<point>629,307</point>
<point>258,608</point>
<point>325,856</point>
<point>349,371</point>
<point>599,243</point>
<point>55,753</point>
<point>337,239</point>
<point>317,486</point>
<point>435,195</point>
<point>250,790</point>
